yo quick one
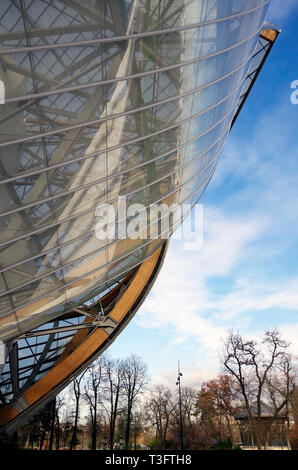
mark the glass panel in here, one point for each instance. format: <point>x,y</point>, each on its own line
<point>51,258</point>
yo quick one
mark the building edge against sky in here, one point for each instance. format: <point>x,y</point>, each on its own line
<point>103,99</point>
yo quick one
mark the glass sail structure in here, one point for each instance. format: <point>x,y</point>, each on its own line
<point>103,99</point>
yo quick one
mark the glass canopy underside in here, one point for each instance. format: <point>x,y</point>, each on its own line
<point>106,99</point>
<point>43,361</point>
<point>36,352</point>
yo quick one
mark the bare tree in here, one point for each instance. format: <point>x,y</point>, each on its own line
<point>92,395</point>
<point>135,378</point>
<point>66,427</point>
<point>189,416</point>
<point>251,364</point>
<point>137,424</point>
<point>280,386</point>
<point>77,394</point>
<point>160,407</point>
<point>52,425</point>
<point>59,404</point>
<point>113,393</point>
<point>188,399</point>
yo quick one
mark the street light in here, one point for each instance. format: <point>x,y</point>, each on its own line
<point>180,406</point>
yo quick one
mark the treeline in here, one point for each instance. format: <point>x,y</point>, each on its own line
<point>112,404</point>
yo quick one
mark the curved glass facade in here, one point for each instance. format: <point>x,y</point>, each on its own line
<point>104,99</point>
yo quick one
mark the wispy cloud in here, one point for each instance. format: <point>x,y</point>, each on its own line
<point>187,297</point>
<point>241,277</point>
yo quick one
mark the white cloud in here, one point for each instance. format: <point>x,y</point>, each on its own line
<point>180,299</point>
<point>192,375</point>
<point>290,332</point>
<point>256,220</point>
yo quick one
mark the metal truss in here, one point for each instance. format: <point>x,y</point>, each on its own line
<point>35,357</point>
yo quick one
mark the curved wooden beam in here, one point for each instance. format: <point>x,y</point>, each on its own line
<point>84,348</point>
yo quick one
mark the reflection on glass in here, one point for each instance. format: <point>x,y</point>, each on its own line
<point>95,109</point>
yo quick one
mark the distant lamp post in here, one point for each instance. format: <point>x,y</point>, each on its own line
<point>180,406</point>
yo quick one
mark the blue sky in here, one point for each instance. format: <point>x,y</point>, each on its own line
<point>245,275</point>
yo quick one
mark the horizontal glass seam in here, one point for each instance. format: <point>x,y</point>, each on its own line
<point>111,117</point>
<point>130,112</point>
<point>116,241</point>
<point>119,274</point>
<point>67,219</point>
<point>89,233</point>
<point>116,259</point>
<point>128,77</point>
<point>129,36</point>
<point>93,183</point>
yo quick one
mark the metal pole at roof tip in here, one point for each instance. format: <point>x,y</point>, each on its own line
<point>180,407</point>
